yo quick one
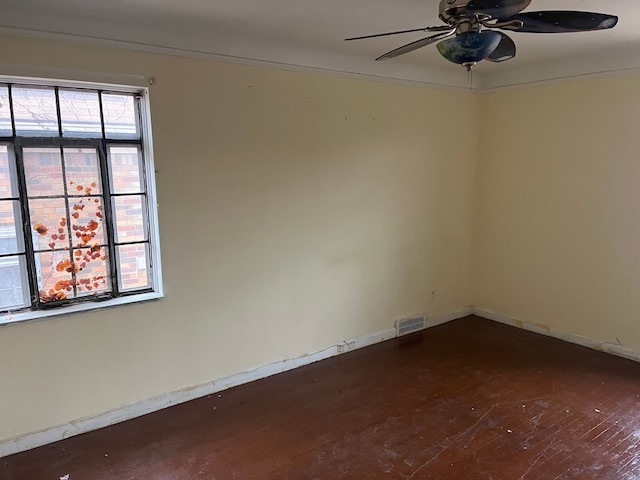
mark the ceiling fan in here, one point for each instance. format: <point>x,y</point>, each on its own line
<point>469,36</point>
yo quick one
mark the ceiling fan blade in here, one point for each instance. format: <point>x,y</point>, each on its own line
<point>497,8</point>
<point>561,21</point>
<point>505,50</point>
<point>470,47</point>
<point>410,47</point>
<point>439,28</point>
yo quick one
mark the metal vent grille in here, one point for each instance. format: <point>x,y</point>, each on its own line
<point>409,325</point>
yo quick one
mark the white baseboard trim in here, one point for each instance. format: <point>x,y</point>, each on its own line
<point>611,348</point>
<point>128,412</point>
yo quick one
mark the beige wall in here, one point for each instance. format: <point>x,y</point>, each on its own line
<point>558,217</point>
<point>296,211</point>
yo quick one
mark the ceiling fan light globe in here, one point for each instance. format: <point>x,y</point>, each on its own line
<point>469,47</point>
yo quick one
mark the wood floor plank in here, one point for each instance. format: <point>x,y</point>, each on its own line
<point>471,399</point>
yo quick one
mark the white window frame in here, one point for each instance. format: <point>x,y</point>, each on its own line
<point>154,231</point>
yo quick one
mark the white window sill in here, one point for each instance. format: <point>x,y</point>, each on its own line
<point>9,318</point>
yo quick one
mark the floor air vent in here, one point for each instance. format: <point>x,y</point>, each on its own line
<point>409,325</point>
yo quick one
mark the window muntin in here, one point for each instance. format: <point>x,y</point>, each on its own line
<point>73,162</point>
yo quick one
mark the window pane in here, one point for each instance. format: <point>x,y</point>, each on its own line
<point>10,231</point>
<point>133,264</point>
<point>49,223</point>
<point>8,185</point>
<point>80,112</point>
<point>43,171</point>
<point>126,169</point>
<point>14,289</point>
<point>82,171</point>
<point>129,218</point>
<point>34,111</point>
<point>87,224</point>
<point>5,112</point>
<point>93,271</point>
<point>55,276</point>
<point>120,116</point>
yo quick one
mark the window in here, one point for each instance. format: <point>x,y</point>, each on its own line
<point>78,225</point>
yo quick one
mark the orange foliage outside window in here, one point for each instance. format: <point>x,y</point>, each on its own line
<point>40,228</point>
<point>83,232</point>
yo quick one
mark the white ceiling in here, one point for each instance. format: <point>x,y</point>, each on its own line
<point>308,33</point>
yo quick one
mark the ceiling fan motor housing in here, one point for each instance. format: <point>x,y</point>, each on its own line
<point>449,9</point>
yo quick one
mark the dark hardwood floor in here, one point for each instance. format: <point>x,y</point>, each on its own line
<point>470,399</point>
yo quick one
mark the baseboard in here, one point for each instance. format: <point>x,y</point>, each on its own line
<point>611,348</point>
<point>128,412</point>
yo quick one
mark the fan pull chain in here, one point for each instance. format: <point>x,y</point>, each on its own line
<point>469,66</point>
